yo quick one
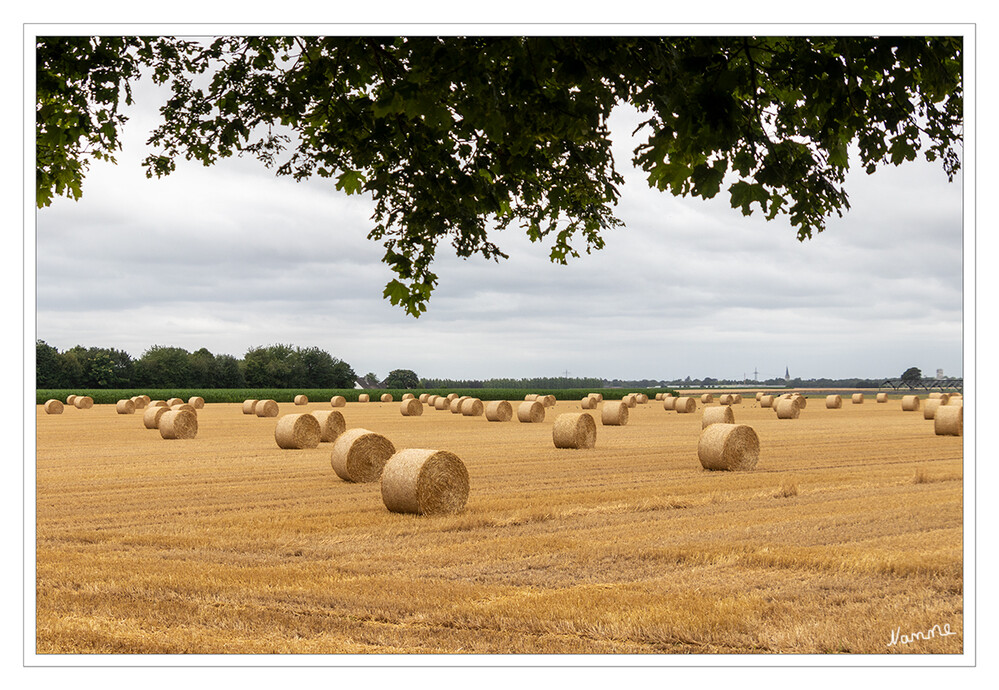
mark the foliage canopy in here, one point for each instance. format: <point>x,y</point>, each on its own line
<point>454,137</point>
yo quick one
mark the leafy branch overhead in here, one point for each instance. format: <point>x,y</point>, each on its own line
<point>454,137</point>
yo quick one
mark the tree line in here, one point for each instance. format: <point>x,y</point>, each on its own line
<point>271,366</point>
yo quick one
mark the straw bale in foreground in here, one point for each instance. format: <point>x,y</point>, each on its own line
<point>574,430</point>
<point>615,413</point>
<point>331,424</point>
<point>788,408</point>
<point>424,482</point>
<point>949,420</point>
<point>531,412</point>
<point>499,411</point>
<point>178,424</point>
<point>359,455</point>
<point>717,415</point>
<point>910,403</point>
<point>728,447</point>
<point>298,431</point>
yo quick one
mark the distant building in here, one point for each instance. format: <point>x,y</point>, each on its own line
<point>940,373</point>
<point>787,374</point>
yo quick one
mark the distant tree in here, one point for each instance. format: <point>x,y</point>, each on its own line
<point>371,379</point>
<point>229,373</point>
<point>164,367</point>
<point>48,369</point>
<point>322,370</point>
<point>274,366</point>
<point>912,375</point>
<point>204,369</point>
<point>402,378</point>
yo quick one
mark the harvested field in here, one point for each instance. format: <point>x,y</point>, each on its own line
<point>850,527</point>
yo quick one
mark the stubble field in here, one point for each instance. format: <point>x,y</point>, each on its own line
<point>849,529</point>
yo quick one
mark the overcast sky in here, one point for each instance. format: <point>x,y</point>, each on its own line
<point>232,257</point>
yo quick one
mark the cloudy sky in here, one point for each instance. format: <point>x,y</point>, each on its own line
<point>232,257</point>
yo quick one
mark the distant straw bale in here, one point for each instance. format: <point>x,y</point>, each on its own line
<point>248,406</point>
<point>266,408</point>
<point>531,412</point>
<point>630,400</point>
<point>331,424</point>
<point>424,482</point>
<point>139,401</point>
<point>178,424</point>
<point>834,402</point>
<point>728,447</point>
<point>574,430</point>
<point>499,411</point>
<point>530,397</point>
<point>736,398</point>
<point>71,400</point>
<point>442,403</point>
<point>407,396</point>
<point>126,406</point>
<point>910,403</point>
<point>930,408</point>
<point>642,399</point>
<point>801,400</point>
<point>788,408</point>
<point>955,400</point>
<point>944,398</point>
<point>359,455</point>
<point>857,398</point>
<point>183,406</point>
<point>471,407</point>
<point>547,400</point>
<point>455,405</point>
<point>83,402</point>
<point>386,397</point>
<point>615,413</point>
<point>717,415</point>
<point>159,403</point>
<point>881,398</point>
<point>588,403</point>
<point>338,401</point>
<point>949,420</point>
<point>432,400</point>
<point>196,401</point>
<point>411,407</point>
<point>598,396</point>
<point>151,417</point>
<point>759,394</point>
<point>424,398</point>
<point>363,397</point>
<point>766,401</point>
<point>451,396</point>
<point>659,396</point>
<point>298,431</point>
<point>685,405</point>
<point>301,400</point>
<point>669,402</point>
<point>53,407</point>
<point>725,399</point>
<point>935,394</point>
<point>174,401</point>
<point>706,398</point>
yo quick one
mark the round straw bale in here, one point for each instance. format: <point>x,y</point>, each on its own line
<point>598,396</point>
<point>615,413</point>
<point>881,398</point>
<point>759,394</point>
<point>531,397</point>
<point>407,396</point>
<point>386,397</point>
<point>717,415</point>
<point>767,401</point>
<point>183,406</point>
<point>432,399</point>
<point>949,420</point>
<point>140,402</point>
<point>668,402</point>
<point>801,400</point>
<point>125,406</point>
<point>442,403</point>
<point>547,400</point>
<point>933,395</point>
<point>161,403</point>
<point>944,398</point>
<point>301,400</point>
<point>588,403</point>
<point>53,407</point>
<point>471,407</point>
<point>788,409</point>
<point>930,408</point>
<point>729,447</point>
<point>248,406</point>
<point>145,398</point>
<point>659,396</point>
<point>196,401</point>
<point>736,398</point>
<point>685,405</point>
<point>424,482</point>
<point>451,396</point>
<point>910,403</point>
<point>455,405</point>
<point>725,399</point>
<point>858,398</point>
<point>338,401</point>
<point>706,398</point>
<point>531,412</point>
<point>630,400</point>
<point>178,424</point>
<point>71,400</point>
<point>363,397</point>
<point>331,424</point>
<point>411,407</point>
<point>297,431</point>
<point>424,398</point>
<point>173,401</point>
<point>499,411</point>
<point>642,399</point>
<point>955,400</point>
<point>834,402</point>
<point>574,430</point>
<point>266,408</point>
<point>359,455</point>
<point>151,417</point>
<point>83,402</point>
